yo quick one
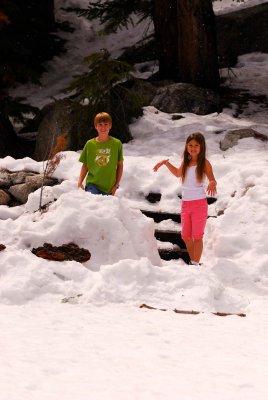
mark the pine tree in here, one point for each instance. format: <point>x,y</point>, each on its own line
<point>184,30</point>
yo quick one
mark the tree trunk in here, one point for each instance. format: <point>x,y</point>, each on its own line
<point>166,32</point>
<point>197,46</point>
<point>186,36</point>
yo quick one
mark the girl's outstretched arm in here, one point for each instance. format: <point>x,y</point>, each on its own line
<point>211,189</point>
<point>175,171</point>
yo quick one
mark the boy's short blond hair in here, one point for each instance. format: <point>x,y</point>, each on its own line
<point>102,117</point>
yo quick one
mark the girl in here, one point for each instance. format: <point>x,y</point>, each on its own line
<point>194,210</point>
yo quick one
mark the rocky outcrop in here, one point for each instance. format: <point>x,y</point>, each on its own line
<point>62,117</point>
<point>5,198</point>
<point>183,97</point>
<point>16,186</point>
<point>231,138</point>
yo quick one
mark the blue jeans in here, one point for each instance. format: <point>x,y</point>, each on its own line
<point>94,190</point>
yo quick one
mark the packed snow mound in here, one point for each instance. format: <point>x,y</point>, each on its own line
<point>124,267</point>
<point>105,226</point>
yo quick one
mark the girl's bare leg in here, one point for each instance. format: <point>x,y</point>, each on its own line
<point>190,248</point>
<point>197,250</point>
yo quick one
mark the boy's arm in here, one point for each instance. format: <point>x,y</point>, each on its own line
<point>119,173</point>
<point>211,189</point>
<point>82,176</point>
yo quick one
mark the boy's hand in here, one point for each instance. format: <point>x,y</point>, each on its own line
<point>114,189</point>
<point>211,189</point>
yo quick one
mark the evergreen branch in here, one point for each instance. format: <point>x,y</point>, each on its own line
<point>104,73</point>
<point>115,14</point>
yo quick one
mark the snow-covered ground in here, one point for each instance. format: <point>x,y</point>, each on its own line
<point>76,331</point>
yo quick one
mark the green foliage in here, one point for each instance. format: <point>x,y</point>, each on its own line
<point>99,82</point>
<point>116,14</point>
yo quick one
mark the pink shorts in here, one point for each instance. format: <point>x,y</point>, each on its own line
<point>193,219</point>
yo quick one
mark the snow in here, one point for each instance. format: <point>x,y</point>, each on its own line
<point>226,6</point>
<point>75,331</point>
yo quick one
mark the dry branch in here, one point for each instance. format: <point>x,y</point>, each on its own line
<point>191,312</point>
<point>53,161</point>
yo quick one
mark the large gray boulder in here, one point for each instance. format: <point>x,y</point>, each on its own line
<point>64,117</point>
<point>5,198</point>
<point>184,97</point>
<point>15,186</point>
<point>231,138</point>
<point>21,191</point>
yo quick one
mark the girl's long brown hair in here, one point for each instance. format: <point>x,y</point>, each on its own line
<point>200,168</point>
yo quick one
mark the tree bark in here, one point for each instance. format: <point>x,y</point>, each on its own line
<point>186,36</point>
<point>166,32</point>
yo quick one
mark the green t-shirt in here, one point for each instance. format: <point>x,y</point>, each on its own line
<point>101,159</point>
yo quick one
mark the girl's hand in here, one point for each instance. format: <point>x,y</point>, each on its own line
<point>158,165</point>
<point>211,189</point>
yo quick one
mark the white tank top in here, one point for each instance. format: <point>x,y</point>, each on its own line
<point>191,188</point>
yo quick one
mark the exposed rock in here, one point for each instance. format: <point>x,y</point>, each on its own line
<point>2,247</point>
<point>153,197</point>
<point>66,252</point>
<point>9,178</point>
<point>63,117</point>
<point>21,191</point>
<point>18,177</point>
<point>143,93</point>
<point>5,179</point>
<point>36,181</point>
<point>231,138</point>
<point>5,198</point>
<point>183,97</point>
<point>176,117</point>
<point>32,125</point>
<point>19,184</point>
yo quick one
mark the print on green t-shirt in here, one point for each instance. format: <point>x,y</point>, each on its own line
<point>101,159</point>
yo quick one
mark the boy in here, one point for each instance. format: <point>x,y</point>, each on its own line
<point>102,159</point>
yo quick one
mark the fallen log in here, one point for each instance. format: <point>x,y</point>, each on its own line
<point>192,312</point>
